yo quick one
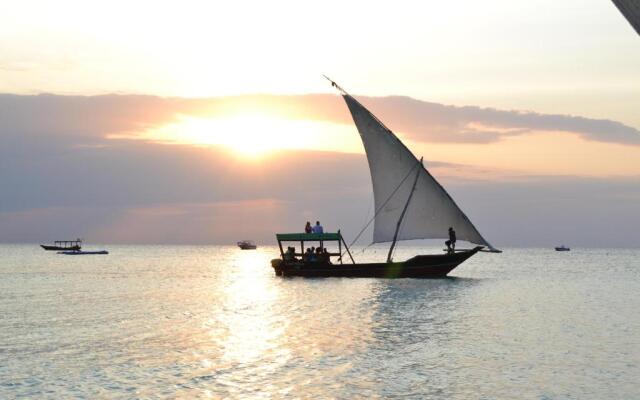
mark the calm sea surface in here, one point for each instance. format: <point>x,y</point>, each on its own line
<point>215,322</point>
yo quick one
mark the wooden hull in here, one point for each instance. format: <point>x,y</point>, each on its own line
<point>82,253</point>
<point>422,266</point>
<point>59,248</point>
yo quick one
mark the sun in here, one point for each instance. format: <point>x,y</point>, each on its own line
<point>249,135</point>
<point>253,134</point>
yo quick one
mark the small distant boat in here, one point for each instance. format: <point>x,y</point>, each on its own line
<point>64,245</point>
<point>562,248</point>
<point>81,253</point>
<point>247,245</point>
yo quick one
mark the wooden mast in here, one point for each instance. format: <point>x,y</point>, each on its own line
<point>404,210</point>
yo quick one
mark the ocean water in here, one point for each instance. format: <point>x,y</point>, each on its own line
<point>215,322</point>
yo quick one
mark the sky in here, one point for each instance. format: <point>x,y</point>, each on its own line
<point>210,122</point>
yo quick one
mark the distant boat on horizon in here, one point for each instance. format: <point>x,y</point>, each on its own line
<point>64,245</point>
<point>563,248</point>
<point>409,204</point>
<point>247,245</point>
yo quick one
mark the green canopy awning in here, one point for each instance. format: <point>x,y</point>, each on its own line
<point>305,237</point>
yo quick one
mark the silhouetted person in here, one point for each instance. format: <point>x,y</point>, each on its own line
<point>290,255</point>
<point>307,255</point>
<point>308,228</point>
<point>326,257</point>
<point>451,243</point>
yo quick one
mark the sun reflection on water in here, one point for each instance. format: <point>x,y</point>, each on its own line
<point>251,330</point>
<point>265,325</point>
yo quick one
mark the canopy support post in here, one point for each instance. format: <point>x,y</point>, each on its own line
<point>281,252</point>
<point>404,210</point>
<point>347,248</point>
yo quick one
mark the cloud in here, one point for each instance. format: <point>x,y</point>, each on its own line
<point>189,223</point>
<point>91,118</point>
<point>61,178</point>
<point>433,122</point>
<point>14,68</point>
<point>546,210</point>
<point>532,211</point>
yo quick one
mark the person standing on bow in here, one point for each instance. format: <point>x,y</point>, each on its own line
<point>451,243</point>
<point>308,228</point>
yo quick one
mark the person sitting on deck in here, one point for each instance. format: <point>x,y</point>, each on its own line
<point>306,257</point>
<point>318,228</point>
<point>312,255</point>
<point>326,257</point>
<point>290,254</point>
<point>451,243</point>
<point>308,228</point>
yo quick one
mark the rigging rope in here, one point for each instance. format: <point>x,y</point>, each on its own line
<point>381,207</point>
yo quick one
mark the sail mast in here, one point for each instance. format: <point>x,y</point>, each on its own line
<point>404,211</point>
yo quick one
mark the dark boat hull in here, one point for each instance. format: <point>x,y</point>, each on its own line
<point>82,253</point>
<point>59,248</point>
<point>423,266</point>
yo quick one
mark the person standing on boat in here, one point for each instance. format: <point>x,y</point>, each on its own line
<point>318,228</point>
<point>451,243</point>
<point>308,228</point>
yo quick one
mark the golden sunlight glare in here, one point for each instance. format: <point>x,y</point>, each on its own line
<point>253,135</point>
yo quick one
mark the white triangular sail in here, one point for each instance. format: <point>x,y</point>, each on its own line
<point>393,169</point>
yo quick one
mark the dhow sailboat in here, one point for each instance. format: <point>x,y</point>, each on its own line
<point>409,204</point>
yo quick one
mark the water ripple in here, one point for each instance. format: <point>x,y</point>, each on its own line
<point>214,322</point>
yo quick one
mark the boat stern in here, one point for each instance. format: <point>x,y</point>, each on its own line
<point>276,264</point>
